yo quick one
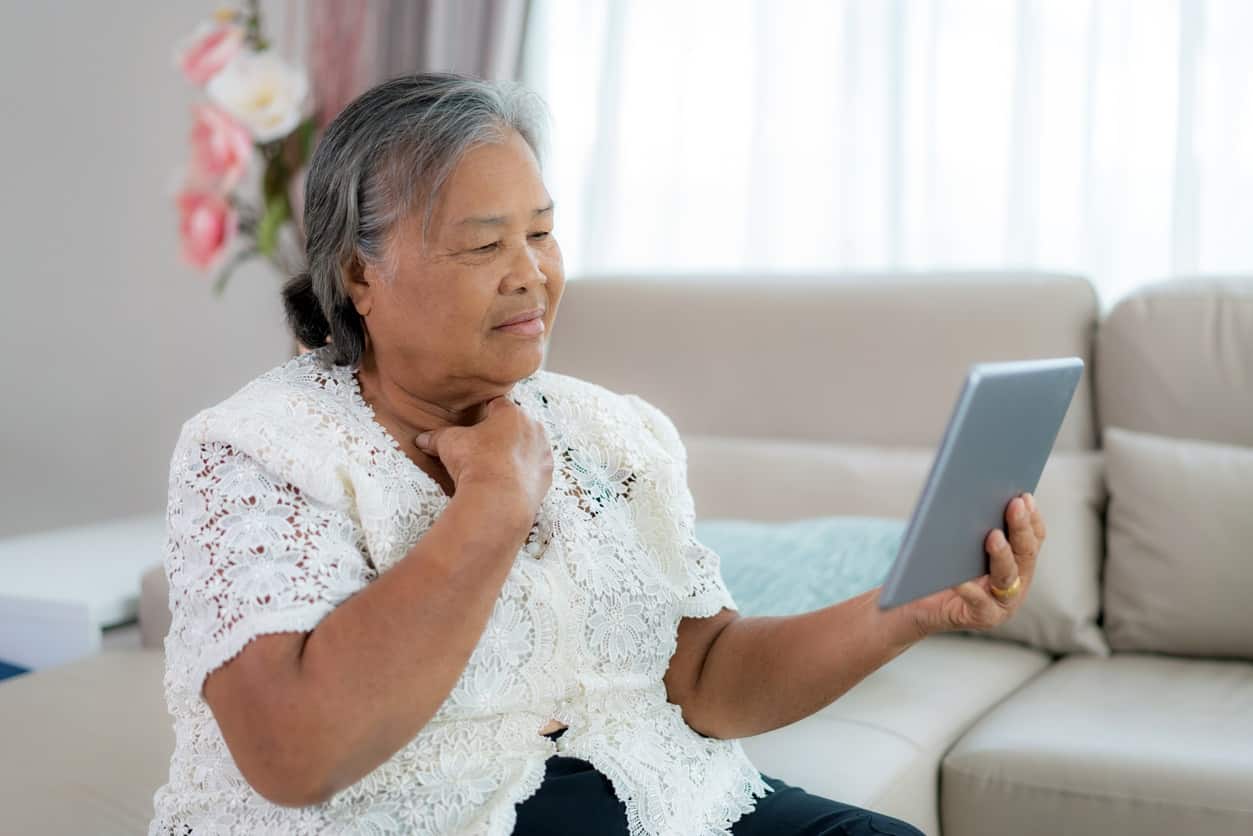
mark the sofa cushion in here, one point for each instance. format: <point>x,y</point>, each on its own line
<point>787,568</point>
<point>880,744</point>
<point>1176,358</point>
<point>1132,744</point>
<point>85,745</point>
<point>1179,571</point>
<point>781,480</point>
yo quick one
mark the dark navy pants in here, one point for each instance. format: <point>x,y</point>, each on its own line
<point>577,800</point>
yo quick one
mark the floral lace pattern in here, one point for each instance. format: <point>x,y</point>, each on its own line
<point>288,498</point>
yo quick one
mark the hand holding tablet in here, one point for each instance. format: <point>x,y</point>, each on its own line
<point>997,441</point>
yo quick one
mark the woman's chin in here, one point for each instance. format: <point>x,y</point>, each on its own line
<point>524,361</point>
<point>517,357</point>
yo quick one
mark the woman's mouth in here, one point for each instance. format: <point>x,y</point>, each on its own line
<point>526,328</point>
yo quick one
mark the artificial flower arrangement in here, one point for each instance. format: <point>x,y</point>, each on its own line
<point>250,143</point>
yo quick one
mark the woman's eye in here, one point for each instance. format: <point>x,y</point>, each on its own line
<point>487,248</point>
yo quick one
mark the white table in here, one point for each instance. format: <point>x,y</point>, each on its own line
<point>60,589</point>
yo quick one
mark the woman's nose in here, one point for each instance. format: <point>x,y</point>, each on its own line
<point>526,270</point>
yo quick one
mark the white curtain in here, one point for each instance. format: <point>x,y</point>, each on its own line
<point>1113,138</point>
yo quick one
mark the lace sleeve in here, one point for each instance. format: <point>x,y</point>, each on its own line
<point>705,592</point>
<point>247,555</point>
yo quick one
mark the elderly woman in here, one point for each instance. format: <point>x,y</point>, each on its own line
<point>420,585</point>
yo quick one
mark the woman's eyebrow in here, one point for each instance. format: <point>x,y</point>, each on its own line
<point>498,220</point>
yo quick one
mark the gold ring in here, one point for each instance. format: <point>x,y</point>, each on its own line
<point>1009,591</point>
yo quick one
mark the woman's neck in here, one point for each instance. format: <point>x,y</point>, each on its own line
<point>398,404</point>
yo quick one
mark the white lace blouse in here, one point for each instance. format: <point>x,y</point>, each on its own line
<point>288,497</point>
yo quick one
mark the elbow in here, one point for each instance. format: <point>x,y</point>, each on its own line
<point>273,727</point>
<point>291,778</point>
<point>284,797</point>
<point>305,797</point>
<point>289,789</point>
<point>697,714</point>
<point>708,730</point>
<point>701,720</point>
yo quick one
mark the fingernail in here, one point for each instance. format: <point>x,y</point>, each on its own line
<point>1031,502</point>
<point>424,439</point>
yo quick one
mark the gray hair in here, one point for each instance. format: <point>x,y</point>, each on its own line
<point>385,156</point>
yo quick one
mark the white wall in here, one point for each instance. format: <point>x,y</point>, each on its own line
<point>109,343</point>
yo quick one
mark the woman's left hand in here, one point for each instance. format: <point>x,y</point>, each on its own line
<point>989,600</point>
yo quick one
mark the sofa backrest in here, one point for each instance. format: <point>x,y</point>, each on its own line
<point>866,359</point>
<point>1174,382</point>
<point>1175,358</point>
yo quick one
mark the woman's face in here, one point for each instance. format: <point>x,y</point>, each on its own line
<point>490,256</point>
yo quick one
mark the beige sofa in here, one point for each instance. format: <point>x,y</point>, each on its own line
<point>1119,701</point>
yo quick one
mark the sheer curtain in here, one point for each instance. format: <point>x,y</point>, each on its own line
<point>1113,138</point>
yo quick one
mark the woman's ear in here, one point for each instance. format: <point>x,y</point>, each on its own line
<point>363,282</point>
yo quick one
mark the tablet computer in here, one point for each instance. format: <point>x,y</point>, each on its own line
<point>998,439</point>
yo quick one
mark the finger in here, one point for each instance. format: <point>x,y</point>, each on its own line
<point>1037,520</point>
<point>1002,565</point>
<point>428,442</point>
<point>1021,535</point>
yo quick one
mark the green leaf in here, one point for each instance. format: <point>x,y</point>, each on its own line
<point>234,262</point>
<point>276,211</point>
<point>274,180</point>
<point>308,132</point>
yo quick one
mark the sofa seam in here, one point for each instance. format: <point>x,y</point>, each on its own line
<point>917,747</point>
<point>966,773</point>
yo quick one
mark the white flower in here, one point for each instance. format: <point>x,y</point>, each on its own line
<point>263,92</point>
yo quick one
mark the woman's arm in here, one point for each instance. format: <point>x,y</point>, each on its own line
<point>736,677</point>
<point>763,672</point>
<point>305,715</point>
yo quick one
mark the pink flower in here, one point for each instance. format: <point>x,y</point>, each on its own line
<point>210,48</point>
<point>221,148</point>
<point>207,226</point>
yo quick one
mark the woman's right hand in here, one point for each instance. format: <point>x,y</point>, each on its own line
<point>507,452</point>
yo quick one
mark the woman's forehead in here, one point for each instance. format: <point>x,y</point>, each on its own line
<point>466,213</point>
<point>493,179</point>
